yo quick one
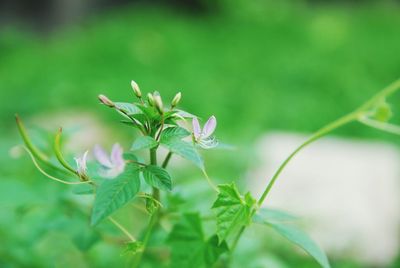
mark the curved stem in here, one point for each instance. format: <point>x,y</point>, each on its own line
<point>387,127</point>
<point>50,176</point>
<point>122,228</point>
<point>358,114</point>
<point>320,133</point>
<point>209,181</point>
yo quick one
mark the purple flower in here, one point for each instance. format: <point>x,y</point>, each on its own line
<point>203,136</point>
<point>81,164</point>
<point>114,164</point>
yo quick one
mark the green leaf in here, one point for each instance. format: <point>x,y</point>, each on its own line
<point>149,111</point>
<point>214,249</point>
<point>151,204</point>
<point>189,246</point>
<point>113,194</point>
<point>273,215</point>
<point>173,133</point>
<point>185,150</point>
<point>130,156</point>
<point>132,248</point>
<point>144,142</point>
<point>127,107</point>
<point>296,236</point>
<point>157,177</point>
<point>233,211</point>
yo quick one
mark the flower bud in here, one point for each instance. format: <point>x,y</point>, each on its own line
<point>150,99</point>
<point>176,100</point>
<point>136,89</point>
<point>106,101</point>
<point>158,103</point>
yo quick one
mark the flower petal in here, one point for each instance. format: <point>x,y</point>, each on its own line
<point>209,127</point>
<point>116,155</point>
<point>81,163</point>
<point>196,128</point>
<point>101,156</point>
<point>84,159</point>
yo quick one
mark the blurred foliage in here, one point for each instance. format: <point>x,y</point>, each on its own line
<point>294,65</point>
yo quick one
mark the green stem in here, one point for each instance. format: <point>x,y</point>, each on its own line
<point>320,133</point>
<point>387,127</point>
<point>358,114</point>
<point>166,160</point>
<point>153,218</point>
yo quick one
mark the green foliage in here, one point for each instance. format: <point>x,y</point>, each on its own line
<point>157,177</point>
<point>115,193</point>
<point>276,220</point>
<point>127,108</point>
<point>173,133</point>
<point>184,149</point>
<point>233,210</point>
<point>133,248</point>
<point>190,248</point>
<point>144,142</point>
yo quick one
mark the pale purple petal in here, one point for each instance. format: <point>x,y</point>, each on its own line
<point>101,156</point>
<point>116,155</point>
<point>196,128</point>
<point>209,127</point>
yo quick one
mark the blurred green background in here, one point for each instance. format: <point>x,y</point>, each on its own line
<point>257,65</point>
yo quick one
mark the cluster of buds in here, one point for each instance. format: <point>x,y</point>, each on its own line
<point>153,99</point>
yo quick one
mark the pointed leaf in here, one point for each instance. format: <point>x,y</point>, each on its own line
<point>144,142</point>
<point>233,211</point>
<point>127,107</point>
<point>157,177</point>
<point>189,246</point>
<point>115,193</point>
<point>173,133</point>
<point>273,215</point>
<point>296,236</point>
<point>185,150</point>
<point>214,249</point>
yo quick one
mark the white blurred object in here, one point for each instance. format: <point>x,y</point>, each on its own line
<point>348,190</point>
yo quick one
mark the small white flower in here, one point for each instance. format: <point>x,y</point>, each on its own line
<point>81,164</point>
<point>114,164</point>
<point>203,136</point>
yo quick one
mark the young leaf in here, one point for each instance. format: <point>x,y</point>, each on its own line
<point>130,156</point>
<point>157,177</point>
<point>151,205</point>
<point>185,150</point>
<point>173,133</point>
<point>189,246</point>
<point>144,142</point>
<point>132,248</point>
<point>233,211</point>
<point>127,107</point>
<point>295,236</point>
<point>112,194</point>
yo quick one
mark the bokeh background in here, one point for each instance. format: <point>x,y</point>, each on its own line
<point>257,65</point>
